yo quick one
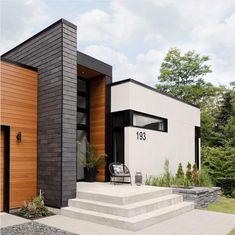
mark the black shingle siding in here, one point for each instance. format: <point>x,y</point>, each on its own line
<point>54,53</point>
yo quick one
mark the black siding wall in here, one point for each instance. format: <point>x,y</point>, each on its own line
<point>53,52</point>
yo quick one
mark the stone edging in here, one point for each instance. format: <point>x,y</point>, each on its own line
<point>201,196</point>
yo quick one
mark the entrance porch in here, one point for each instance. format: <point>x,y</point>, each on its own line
<point>124,206</point>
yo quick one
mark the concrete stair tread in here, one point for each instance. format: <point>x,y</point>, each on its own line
<point>134,219</point>
<point>130,205</point>
<point>132,208</point>
<point>124,198</point>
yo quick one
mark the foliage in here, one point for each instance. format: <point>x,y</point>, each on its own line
<point>204,179</point>
<point>167,175</point>
<point>34,209</point>
<point>232,232</point>
<point>181,76</point>
<point>225,205</point>
<point>197,178</point>
<point>157,181</point>
<point>195,175</point>
<point>189,172</point>
<point>227,185</point>
<point>180,172</point>
<point>92,160</point>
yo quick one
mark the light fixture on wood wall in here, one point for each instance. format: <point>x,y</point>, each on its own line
<point>19,137</point>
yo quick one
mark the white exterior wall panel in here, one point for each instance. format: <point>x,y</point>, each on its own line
<point>177,145</point>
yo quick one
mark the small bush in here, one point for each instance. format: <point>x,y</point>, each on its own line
<point>189,172</point>
<point>227,186</point>
<point>204,179</point>
<point>180,172</point>
<point>195,175</point>
<point>34,209</point>
<point>167,175</point>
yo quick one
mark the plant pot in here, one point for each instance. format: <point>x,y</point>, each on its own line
<point>90,174</point>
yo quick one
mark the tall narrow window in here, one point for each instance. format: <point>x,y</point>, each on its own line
<point>82,124</point>
<point>197,137</point>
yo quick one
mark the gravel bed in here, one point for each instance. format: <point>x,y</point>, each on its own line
<point>33,228</point>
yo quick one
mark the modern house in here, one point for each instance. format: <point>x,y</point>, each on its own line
<point>54,98</point>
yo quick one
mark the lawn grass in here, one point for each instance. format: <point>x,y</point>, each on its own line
<point>225,205</point>
<point>232,232</point>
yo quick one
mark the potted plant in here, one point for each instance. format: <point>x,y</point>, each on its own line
<point>90,163</point>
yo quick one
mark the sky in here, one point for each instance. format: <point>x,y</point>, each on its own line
<point>133,35</point>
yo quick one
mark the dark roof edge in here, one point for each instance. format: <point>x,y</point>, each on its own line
<point>25,66</point>
<point>153,89</point>
<point>94,64</point>
<point>40,32</point>
<point>94,59</point>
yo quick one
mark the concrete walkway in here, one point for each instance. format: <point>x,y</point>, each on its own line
<point>196,222</point>
<point>9,220</point>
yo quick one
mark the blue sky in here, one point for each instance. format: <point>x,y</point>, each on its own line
<point>133,35</point>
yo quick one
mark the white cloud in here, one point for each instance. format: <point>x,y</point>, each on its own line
<point>135,34</point>
<point>19,18</point>
<point>144,68</point>
<point>206,26</point>
<point>100,26</point>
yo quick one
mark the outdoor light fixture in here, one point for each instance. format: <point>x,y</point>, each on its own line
<point>19,137</point>
<point>138,178</point>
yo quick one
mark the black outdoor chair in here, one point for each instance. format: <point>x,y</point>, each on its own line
<point>119,177</point>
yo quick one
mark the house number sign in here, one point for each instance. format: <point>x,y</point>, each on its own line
<point>140,135</point>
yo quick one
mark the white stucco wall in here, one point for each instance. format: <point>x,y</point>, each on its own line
<point>177,145</point>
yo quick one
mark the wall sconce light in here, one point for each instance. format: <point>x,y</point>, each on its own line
<point>19,137</point>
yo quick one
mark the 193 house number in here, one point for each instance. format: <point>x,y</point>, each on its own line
<point>140,135</point>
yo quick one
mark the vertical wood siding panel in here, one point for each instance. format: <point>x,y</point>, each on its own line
<point>97,120</point>
<point>23,156</point>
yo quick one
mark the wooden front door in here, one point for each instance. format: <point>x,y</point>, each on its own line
<point>2,170</point>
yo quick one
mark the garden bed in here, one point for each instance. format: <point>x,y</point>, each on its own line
<point>201,196</point>
<point>33,217</point>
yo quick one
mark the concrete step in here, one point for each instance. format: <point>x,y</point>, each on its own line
<point>127,210</point>
<point>130,223</point>
<point>120,197</point>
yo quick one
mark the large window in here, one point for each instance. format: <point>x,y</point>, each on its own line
<point>82,123</point>
<point>149,122</point>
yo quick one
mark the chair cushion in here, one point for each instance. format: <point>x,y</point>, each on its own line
<point>118,169</point>
<point>122,175</point>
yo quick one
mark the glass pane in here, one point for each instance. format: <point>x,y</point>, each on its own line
<point>149,122</point>
<point>118,145</point>
<point>82,86</point>
<point>81,118</point>
<point>82,102</point>
<point>81,152</point>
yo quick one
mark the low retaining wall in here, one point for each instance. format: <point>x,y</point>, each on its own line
<point>199,195</point>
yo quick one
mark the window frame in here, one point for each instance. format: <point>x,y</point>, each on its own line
<point>165,120</point>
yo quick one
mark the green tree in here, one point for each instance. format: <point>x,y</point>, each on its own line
<point>181,75</point>
<point>195,175</point>
<point>180,172</point>
<point>224,126</point>
<point>188,173</point>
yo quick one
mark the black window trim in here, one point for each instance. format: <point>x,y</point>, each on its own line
<point>128,119</point>
<point>150,116</point>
